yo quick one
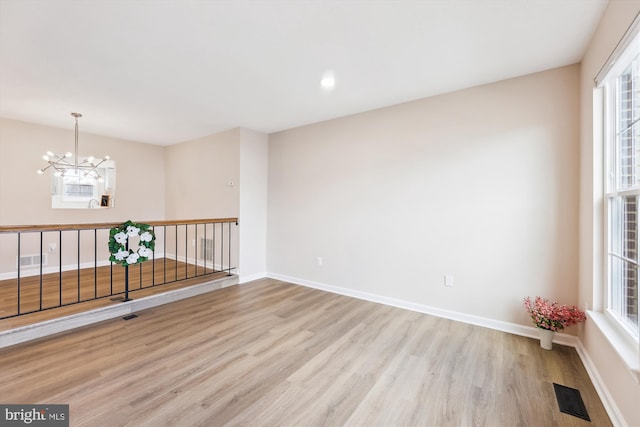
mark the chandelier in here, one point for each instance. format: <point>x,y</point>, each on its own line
<point>63,165</point>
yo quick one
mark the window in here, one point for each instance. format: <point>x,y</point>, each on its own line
<point>622,137</point>
<point>76,187</point>
<point>75,190</point>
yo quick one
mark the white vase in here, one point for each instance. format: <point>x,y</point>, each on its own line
<point>546,338</point>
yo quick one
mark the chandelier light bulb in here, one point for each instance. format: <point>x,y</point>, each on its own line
<point>63,165</point>
<point>39,171</point>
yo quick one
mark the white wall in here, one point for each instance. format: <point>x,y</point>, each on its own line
<point>198,176</point>
<point>25,197</point>
<point>481,184</point>
<point>254,157</point>
<point>199,173</point>
<point>613,373</point>
<point>203,181</point>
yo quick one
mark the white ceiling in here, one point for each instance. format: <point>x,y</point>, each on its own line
<point>167,71</point>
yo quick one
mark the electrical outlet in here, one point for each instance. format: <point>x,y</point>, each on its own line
<point>448,280</point>
<point>52,247</point>
<point>319,261</point>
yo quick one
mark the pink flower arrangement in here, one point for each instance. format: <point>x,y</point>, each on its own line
<point>552,316</point>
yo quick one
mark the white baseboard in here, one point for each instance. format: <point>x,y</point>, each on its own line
<point>512,328</point>
<point>251,277</point>
<point>499,325</point>
<point>603,392</point>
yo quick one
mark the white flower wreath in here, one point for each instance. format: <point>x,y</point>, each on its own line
<point>119,237</point>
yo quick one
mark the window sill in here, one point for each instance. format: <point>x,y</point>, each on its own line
<point>627,351</point>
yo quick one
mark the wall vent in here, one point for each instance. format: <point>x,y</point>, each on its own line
<point>32,260</point>
<point>206,249</point>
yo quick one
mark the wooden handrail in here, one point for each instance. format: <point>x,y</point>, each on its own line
<point>101,225</point>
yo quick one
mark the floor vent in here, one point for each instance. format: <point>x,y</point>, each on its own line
<point>570,402</point>
<point>129,317</point>
<point>32,260</point>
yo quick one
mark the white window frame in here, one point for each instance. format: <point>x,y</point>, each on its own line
<point>608,83</point>
<point>75,178</point>
<point>623,343</point>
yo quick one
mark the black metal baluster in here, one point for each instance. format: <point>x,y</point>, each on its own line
<point>110,277</point>
<point>221,246</point>
<point>41,270</point>
<point>196,250</point>
<point>95,263</point>
<point>176,253</point>
<point>206,247</point>
<point>19,235</point>
<point>186,251</point>
<point>229,272</point>
<point>164,252</point>
<point>60,264</point>
<point>153,260</point>
<point>78,265</point>
<point>139,267</point>
<point>126,278</point>
<point>213,248</point>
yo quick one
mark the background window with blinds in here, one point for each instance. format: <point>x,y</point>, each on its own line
<point>78,188</point>
<point>622,95</point>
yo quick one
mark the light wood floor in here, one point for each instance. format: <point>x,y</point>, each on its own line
<point>70,287</point>
<point>58,312</point>
<point>270,353</point>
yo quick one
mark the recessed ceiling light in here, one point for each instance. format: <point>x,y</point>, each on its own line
<point>328,80</point>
